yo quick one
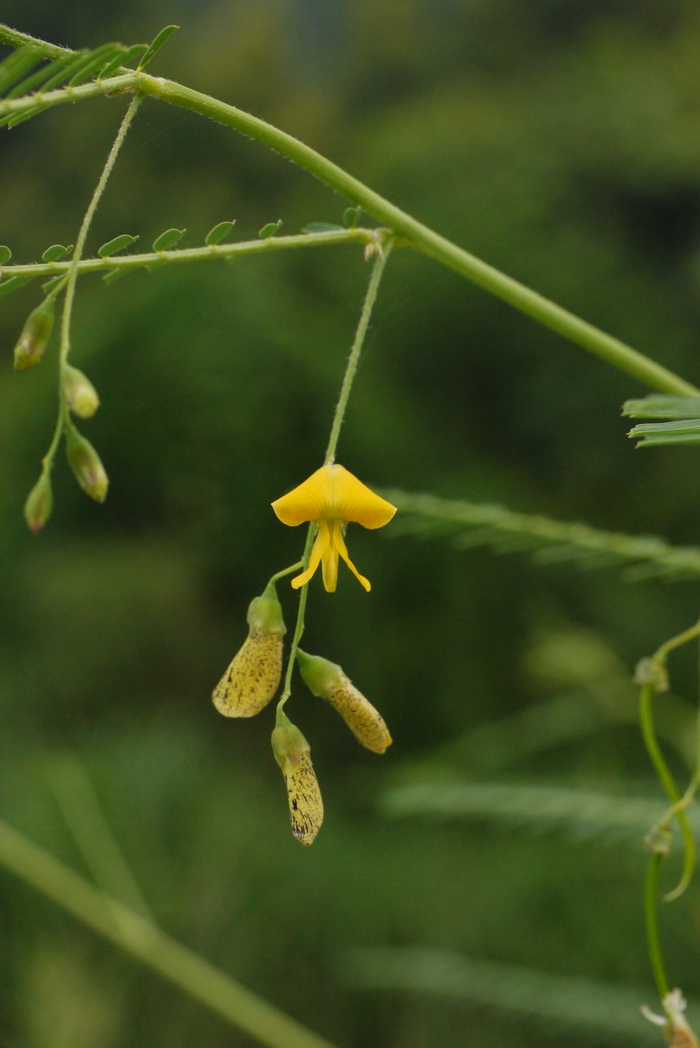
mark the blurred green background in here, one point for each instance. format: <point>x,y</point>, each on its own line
<point>559,141</point>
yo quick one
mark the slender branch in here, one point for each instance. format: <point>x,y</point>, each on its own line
<point>85,226</point>
<point>651,918</point>
<point>113,85</point>
<point>541,309</point>
<point>615,352</point>
<point>666,779</point>
<point>301,616</point>
<point>193,254</point>
<point>153,947</point>
<point>358,342</point>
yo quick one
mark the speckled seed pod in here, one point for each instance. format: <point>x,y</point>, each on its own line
<point>254,675</point>
<point>293,754</point>
<point>327,680</point>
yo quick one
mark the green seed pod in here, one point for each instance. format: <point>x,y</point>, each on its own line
<point>37,508</point>
<point>86,464</point>
<point>81,396</point>
<point>327,681</point>
<point>35,336</point>
<point>253,677</point>
<point>293,754</point>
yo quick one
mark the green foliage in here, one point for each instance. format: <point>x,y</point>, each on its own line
<point>559,142</point>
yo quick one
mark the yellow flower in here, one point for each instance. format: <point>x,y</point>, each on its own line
<point>332,497</point>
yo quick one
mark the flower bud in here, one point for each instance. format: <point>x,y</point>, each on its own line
<point>35,336</point>
<point>254,675</point>
<point>293,754</point>
<point>327,681</point>
<point>86,464</point>
<point>37,508</point>
<point>81,396</point>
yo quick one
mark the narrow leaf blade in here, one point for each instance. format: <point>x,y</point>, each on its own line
<point>156,45</point>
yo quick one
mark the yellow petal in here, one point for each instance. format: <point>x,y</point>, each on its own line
<point>308,501</point>
<point>338,543</point>
<point>330,561</point>
<point>353,501</point>
<point>321,544</point>
<point>333,493</point>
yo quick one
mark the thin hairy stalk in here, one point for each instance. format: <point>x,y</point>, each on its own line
<point>285,571</point>
<point>113,85</point>
<point>299,625</point>
<point>193,254</point>
<point>85,226</point>
<point>541,309</point>
<point>354,358</point>
<point>651,921</point>
<point>147,943</point>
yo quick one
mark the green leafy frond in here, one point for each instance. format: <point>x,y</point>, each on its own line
<point>684,411</point>
<point>589,1011</point>
<point>469,524</point>
<point>36,70</point>
<point>111,264</point>
<point>577,814</point>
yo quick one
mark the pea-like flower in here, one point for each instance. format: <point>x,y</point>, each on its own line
<point>332,497</point>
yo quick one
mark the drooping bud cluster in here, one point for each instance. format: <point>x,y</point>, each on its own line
<point>35,336</point>
<point>329,499</point>
<point>253,676</point>
<point>293,754</point>
<point>327,681</point>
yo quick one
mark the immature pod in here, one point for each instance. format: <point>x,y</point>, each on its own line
<point>87,466</point>
<point>293,754</point>
<point>254,675</point>
<point>327,681</point>
<point>35,336</point>
<point>81,396</point>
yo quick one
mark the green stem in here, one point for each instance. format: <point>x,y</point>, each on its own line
<point>354,358</point>
<point>193,254</point>
<point>113,85</point>
<point>299,626</point>
<point>667,781</point>
<point>541,309</point>
<point>281,574</point>
<point>153,947</point>
<point>85,226</point>
<point>651,915</point>
<point>615,352</point>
